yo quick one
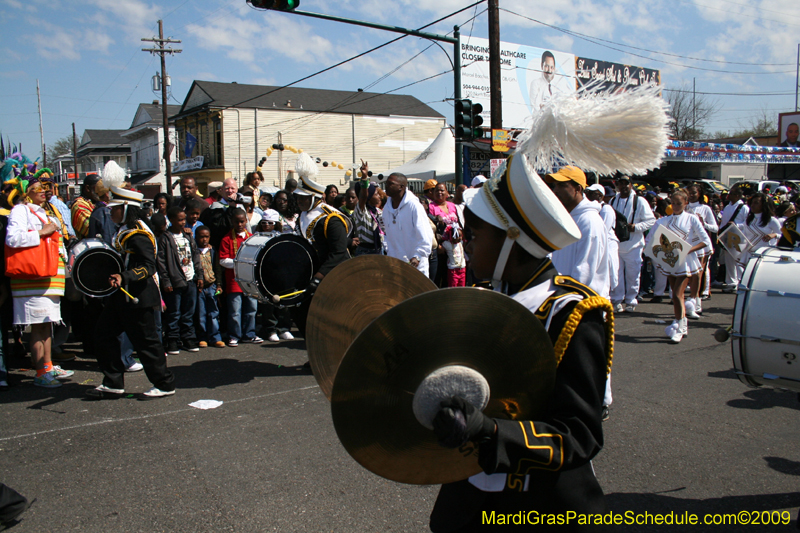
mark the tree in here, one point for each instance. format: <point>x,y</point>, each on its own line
<point>761,125</point>
<point>60,147</point>
<point>690,113</point>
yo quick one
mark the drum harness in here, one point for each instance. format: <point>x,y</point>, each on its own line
<point>122,237</point>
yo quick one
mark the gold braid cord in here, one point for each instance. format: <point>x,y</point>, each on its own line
<point>340,217</point>
<point>583,307</point>
<point>123,236</point>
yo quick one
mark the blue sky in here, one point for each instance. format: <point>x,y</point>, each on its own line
<point>88,59</point>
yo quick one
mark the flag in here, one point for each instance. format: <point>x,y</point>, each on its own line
<point>191,142</point>
<point>667,250</point>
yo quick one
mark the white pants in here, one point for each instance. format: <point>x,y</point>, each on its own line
<point>629,273</point>
<point>661,283</point>
<point>607,399</point>
<point>613,265</point>
<point>733,272</point>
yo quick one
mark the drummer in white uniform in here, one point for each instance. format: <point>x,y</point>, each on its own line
<point>689,228</point>
<point>701,282</point>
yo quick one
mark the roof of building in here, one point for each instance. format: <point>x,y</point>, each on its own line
<point>215,95</point>
<point>154,112</point>
<point>107,141</point>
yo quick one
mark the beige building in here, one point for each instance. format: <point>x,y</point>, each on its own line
<point>236,125</point>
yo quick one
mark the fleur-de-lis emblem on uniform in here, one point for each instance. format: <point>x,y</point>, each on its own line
<point>670,257</point>
<point>733,242</point>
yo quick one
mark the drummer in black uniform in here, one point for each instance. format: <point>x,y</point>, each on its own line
<point>324,226</point>
<point>533,465</point>
<point>133,313</point>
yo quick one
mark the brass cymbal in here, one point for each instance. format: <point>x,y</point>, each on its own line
<point>351,296</point>
<point>374,387</point>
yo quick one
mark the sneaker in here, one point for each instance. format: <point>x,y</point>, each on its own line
<point>630,308</point>
<point>155,392</point>
<point>254,340</point>
<point>219,344</point>
<point>203,344</point>
<point>103,392</point>
<point>172,348</point>
<point>656,299</point>
<point>46,380</point>
<point>135,367</point>
<point>690,308</point>
<point>274,338</point>
<point>619,308</point>
<point>684,327</point>
<point>674,332</point>
<point>604,415</point>
<point>706,297</point>
<point>287,336</point>
<point>698,306</point>
<point>191,346</point>
<point>233,343</point>
<point>60,373</point>
<point>717,285</point>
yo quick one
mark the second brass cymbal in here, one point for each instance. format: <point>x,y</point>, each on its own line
<point>375,385</point>
<point>351,296</point>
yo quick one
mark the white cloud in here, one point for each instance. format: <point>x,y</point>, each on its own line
<point>134,18</point>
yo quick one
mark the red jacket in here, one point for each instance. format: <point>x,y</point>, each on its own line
<point>228,251</point>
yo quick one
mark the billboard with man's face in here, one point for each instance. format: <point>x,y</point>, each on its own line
<point>530,77</point>
<point>789,129</point>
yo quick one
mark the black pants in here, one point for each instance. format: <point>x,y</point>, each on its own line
<point>140,325</point>
<point>300,316</point>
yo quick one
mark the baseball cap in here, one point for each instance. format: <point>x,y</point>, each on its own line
<point>477,180</point>
<point>596,187</point>
<point>430,184</point>
<point>570,173</point>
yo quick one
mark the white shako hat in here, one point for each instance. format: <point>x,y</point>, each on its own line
<point>519,202</point>
<point>126,197</point>
<point>307,170</point>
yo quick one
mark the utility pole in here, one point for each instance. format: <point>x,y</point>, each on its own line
<point>161,50</point>
<point>797,78</point>
<point>495,79</point>
<point>74,155</point>
<point>694,106</point>
<point>41,129</point>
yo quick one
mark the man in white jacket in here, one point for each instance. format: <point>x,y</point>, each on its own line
<point>734,213</point>
<point>408,232</point>
<point>640,219</point>
<point>587,259</point>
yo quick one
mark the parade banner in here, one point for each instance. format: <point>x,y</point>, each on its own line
<point>704,152</point>
<point>667,250</point>
<point>734,241</point>
<point>530,76</point>
<point>616,75</point>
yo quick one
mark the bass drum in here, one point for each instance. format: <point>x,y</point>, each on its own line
<point>765,338</point>
<point>265,267</point>
<point>91,263</point>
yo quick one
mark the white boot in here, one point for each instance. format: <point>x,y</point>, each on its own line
<point>698,305</point>
<point>684,325</point>
<point>673,331</point>
<point>689,305</point>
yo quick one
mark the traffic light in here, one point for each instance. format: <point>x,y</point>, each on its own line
<point>468,120</point>
<point>277,5</point>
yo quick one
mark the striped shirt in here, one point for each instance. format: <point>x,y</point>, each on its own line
<point>365,225</point>
<point>81,211</point>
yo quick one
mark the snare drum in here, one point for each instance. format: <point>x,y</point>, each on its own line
<point>265,267</point>
<point>91,263</point>
<point>765,338</point>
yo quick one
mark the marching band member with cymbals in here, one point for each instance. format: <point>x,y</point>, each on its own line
<point>131,310</point>
<point>517,222</point>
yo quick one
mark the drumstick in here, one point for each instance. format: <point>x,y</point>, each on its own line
<point>135,300</point>
<point>277,297</point>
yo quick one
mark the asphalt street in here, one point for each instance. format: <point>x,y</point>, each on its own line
<point>685,435</point>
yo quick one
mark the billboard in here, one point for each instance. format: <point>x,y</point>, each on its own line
<point>788,129</point>
<point>530,75</point>
<point>608,74</point>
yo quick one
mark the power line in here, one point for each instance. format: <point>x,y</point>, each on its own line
<point>727,94</point>
<point>597,41</point>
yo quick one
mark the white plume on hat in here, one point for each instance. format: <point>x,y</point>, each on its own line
<point>305,166</point>
<point>601,131</point>
<point>113,174</point>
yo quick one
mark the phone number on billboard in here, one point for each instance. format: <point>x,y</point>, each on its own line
<point>477,88</point>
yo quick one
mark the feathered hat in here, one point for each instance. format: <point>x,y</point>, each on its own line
<point>598,131</point>
<point>307,170</point>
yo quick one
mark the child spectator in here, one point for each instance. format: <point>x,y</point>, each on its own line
<point>207,310</point>
<point>456,262</point>
<point>193,209</point>
<point>180,275</point>
<point>241,308</point>
<point>276,321</point>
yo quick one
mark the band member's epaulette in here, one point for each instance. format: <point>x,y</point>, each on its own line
<point>590,301</point>
<point>123,236</point>
<point>328,213</point>
<point>336,214</point>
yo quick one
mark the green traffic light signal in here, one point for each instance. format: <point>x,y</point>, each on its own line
<point>276,5</point>
<point>468,120</point>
